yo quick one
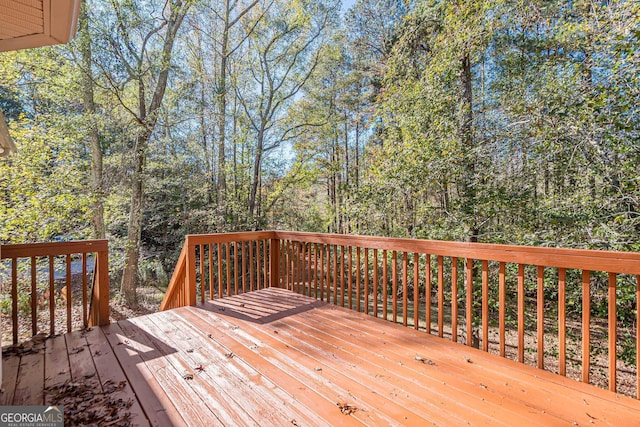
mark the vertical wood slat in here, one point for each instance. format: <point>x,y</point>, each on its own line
<point>274,263</point>
<point>440,296</point>
<point>285,264</point>
<point>366,280</point>
<point>405,288</point>
<point>52,311</point>
<point>34,297</point>
<point>219,268</point>
<point>394,285</point>
<point>300,266</point>
<point>244,267</point>
<point>266,253</point>
<point>350,279</point>
<point>211,273</point>
<point>540,316</point>
<point>202,276</point>
<point>385,285</point>
<point>469,302</point>
<point>454,299</point>
<point>335,274</point>
<point>638,337</point>
<point>485,305</point>
<point>342,255</point>
<point>235,268</point>
<point>521,313</point>
<point>310,271</point>
<point>323,271</point>
<point>375,285</point>
<point>562,321</point>
<point>612,332</point>
<point>69,291</point>
<point>416,291</point>
<point>85,315</point>
<point>252,267</point>
<point>259,256</point>
<point>316,271</point>
<point>14,299</point>
<point>502,302</point>
<point>427,292</point>
<point>227,269</point>
<point>586,325</point>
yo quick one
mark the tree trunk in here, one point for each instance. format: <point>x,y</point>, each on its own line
<point>134,231</point>
<point>97,190</point>
<point>147,117</point>
<point>466,139</point>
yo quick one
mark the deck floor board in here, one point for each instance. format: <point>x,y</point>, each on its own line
<point>273,357</point>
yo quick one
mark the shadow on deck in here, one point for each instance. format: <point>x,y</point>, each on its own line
<point>273,357</point>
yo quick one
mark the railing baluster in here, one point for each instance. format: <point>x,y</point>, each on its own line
<point>252,268</point>
<point>469,302</point>
<point>521,313</point>
<point>85,316</point>
<point>562,321</point>
<point>613,318</point>
<point>315,271</point>
<point>350,278</point>
<point>394,285</point>
<point>454,299</point>
<point>202,276</point>
<point>485,305</point>
<point>427,291</point>
<point>322,272</point>
<point>52,293</point>
<point>14,298</point>
<point>376,285</point>
<point>366,281</point>
<point>540,305</point>
<point>440,296</point>
<point>342,265</point>
<point>335,274</point>
<point>502,302</point>
<point>227,269</point>
<point>586,325</point>
<point>265,275</point>
<point>385,285</point>
<point>211,270</point>
<point>34,302</point>
<point>236,264</point>
<point>637,336</point>
<point>69,291</point>
<point>405,288</point>
<point>416,291</point>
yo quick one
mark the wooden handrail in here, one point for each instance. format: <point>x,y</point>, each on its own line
<point>98,312</point>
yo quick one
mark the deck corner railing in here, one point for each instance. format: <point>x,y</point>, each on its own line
<point>42,274</point>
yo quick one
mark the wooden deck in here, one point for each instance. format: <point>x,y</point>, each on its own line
<point>273,357</point>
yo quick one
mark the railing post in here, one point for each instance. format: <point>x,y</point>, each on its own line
<point>100,303</point>
<point>191,273</point>
<point>274,263</point>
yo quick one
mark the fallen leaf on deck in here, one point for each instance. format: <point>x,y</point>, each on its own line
<point>424,360</point>
<point>346,408</point>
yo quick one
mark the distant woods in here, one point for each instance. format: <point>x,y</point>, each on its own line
<point>493,121</point>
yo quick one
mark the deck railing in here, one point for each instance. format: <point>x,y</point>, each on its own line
<point>217,265</point>
<point>57,274</point>
<point>506,299</point>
